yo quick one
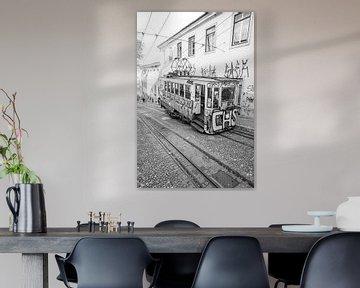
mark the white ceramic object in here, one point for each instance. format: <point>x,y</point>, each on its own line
<point>316,227</point>
<point>306,228</point>
<point>321,213</point>
<point>348,214</point>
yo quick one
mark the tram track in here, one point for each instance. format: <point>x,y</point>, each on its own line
<point>236,131</point>
<point>243,133</point>
<point>235,140</point>
<point>217,166</point>
<point>198,178</point>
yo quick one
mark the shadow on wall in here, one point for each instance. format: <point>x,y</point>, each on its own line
<point>310,47</point>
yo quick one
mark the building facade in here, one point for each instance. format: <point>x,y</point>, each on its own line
<point>217,44</point>
<point>147,87</point>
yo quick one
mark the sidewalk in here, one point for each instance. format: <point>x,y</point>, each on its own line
<point>246,122</point>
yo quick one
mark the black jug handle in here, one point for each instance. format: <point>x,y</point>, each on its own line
<point>13,208</point>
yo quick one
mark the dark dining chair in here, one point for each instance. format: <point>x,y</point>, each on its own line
<point>286,267</point>
<point>333,262</point>
<point>232,262</point>
<point>70,271</point>
<point>178,269</point>
<point>108,263</point>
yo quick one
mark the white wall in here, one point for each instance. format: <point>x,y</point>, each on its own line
<point>73,66</point>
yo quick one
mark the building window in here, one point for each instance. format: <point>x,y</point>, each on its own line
<point>179,50</point>
<point>241,28</point>
<point>210,39</point>
<point>191,48</point>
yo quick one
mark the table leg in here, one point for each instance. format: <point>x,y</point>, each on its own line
<point>35,270</point>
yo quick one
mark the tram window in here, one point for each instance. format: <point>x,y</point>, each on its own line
<point>209,97</point>
<point>187,92</point>
<point>177,88</point>
<point>182,90</point>
<point>172,87</point>
<point>227,93</point>
<point>216,98</point>
<point>238,95</point>
<point>199,91</point>
<point>166,86</point>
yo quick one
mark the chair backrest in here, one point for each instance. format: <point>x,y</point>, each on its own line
<point>232,262</point>
<point>110,262</point>
<point>178,269</point>
<point>287,267</point>
<point>176,224</point>
<point>333,262</point>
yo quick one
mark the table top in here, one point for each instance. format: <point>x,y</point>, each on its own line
<point>158,240</point>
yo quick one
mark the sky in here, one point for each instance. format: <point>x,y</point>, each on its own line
<point>164,24</point>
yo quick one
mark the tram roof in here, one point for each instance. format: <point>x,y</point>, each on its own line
<point>203,78</point>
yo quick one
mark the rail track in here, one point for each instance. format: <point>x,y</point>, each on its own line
<point>205,170</point>
<point>196,175</point>
<point>242,132</point>
<point>251,145</point>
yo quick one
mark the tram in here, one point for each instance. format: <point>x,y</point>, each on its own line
<point>207,103</point>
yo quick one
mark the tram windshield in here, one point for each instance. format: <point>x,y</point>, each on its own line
<point>227,94</point>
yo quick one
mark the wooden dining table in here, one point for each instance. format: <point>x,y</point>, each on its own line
<point>35,247</point>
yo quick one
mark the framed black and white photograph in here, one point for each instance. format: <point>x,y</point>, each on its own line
<point>195,100</point>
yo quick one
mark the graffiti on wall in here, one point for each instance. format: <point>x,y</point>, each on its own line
<point>208,71</point>
<point>192,70</point>
<point>249,94</point>
<point>182,66</point>
<point>247,103</point>
<point>237,70</point>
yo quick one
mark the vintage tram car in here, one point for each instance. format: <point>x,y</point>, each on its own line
<point>207,103</point>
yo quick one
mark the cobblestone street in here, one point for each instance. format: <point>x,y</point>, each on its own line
<point>157,167</point>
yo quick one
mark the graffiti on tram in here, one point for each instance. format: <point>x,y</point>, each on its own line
<point>221,120</point>
<point>208,104</point>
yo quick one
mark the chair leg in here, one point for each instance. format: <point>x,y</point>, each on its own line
<point>278,282</point>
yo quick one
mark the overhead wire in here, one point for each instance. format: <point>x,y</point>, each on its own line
<point>156,36</point>
<point>217,35</point>
<point>186,40</point>
<point>202,44</point>
<point>147,24</point>
<point>168,37</point>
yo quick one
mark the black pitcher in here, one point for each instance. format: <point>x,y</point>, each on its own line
<point>28,207</point>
